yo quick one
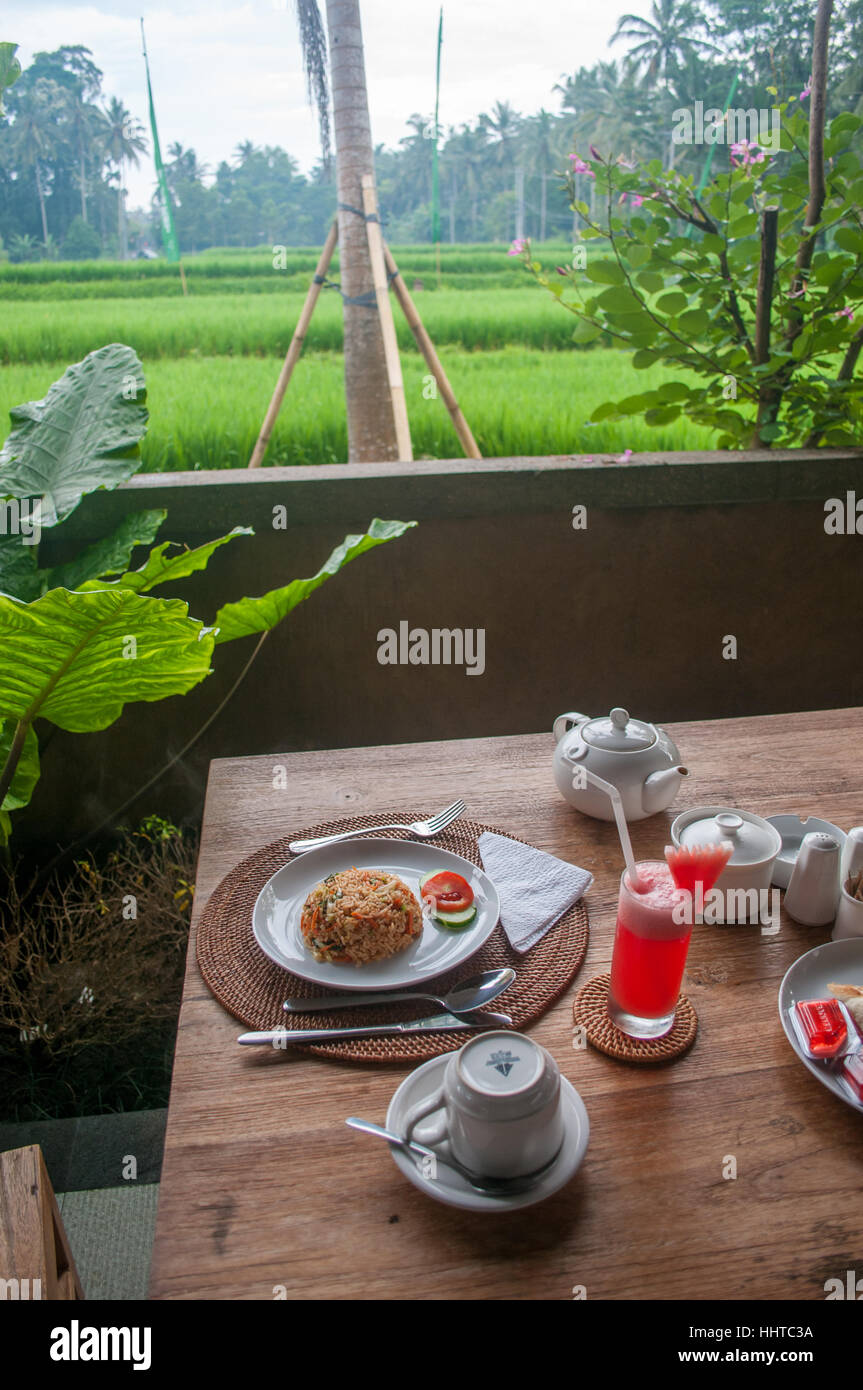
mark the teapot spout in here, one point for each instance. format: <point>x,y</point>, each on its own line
<point>660,789</point>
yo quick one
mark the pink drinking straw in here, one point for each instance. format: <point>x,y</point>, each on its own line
<point>622,828</point>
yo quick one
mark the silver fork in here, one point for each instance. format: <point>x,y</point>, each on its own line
<point>425,829</point>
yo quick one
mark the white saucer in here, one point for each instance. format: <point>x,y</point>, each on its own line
<point>792,830</point>
<point>449,1186</point>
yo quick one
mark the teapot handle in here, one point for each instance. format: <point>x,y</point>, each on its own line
<point>562,723</point>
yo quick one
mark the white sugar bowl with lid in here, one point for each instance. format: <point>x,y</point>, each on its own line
<point>755,844</point>
<point>636,758</point>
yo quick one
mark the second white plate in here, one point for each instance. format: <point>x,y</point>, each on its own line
<point>839,962</point>
<point>276,916</point>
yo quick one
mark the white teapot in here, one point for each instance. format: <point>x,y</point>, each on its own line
<point>594,756</point>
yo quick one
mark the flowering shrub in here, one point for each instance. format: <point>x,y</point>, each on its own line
<point>750,287</point>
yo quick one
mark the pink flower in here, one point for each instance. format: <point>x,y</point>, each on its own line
<point>518,247</point>
<point>624,457</point>
<point>806,90</point>
<point>635,198</point>
<point>744,153</point>
<point>562,270</point>
<point>847,313</point>
<point>580,167</point>
<point>595,152</point>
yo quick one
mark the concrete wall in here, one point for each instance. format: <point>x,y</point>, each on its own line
<point>679,552</point>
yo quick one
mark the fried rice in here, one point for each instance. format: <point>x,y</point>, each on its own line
<point>360,915</point>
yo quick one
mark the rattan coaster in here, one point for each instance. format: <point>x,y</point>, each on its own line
<point>590,1012</point>
<point>251,986</point>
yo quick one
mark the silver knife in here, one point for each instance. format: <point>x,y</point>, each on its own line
<point>439,1023</point>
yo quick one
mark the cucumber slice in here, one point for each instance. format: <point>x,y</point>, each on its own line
<point>456,919</point>
<point>425,878</point>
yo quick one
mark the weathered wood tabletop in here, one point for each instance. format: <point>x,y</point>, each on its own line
<point>266,1193</point>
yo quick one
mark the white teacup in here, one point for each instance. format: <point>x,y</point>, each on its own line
<point>849,917</point>
<point>499,1103</point>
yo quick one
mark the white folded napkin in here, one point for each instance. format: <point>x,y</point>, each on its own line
<point>535,888</point>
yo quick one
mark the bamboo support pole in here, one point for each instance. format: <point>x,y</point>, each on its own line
<point>388,328</point>
<point>295,348</point>
<point>427,348</point>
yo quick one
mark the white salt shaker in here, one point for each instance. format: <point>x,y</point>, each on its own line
<point>813,891</point>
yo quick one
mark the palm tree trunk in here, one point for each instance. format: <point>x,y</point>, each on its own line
<point>371,427</point>
<point>543,208</point>
<point>83,186</point>
<point>452,198</point>
<point>519,204</point>
<point>41,205</point>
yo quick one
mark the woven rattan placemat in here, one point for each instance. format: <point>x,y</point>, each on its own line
<point>252,987</point>
<point>590,1012</point>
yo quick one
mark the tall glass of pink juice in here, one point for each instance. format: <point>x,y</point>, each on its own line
<point>649,953</point>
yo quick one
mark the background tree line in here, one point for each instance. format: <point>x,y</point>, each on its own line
<point>65,147</point>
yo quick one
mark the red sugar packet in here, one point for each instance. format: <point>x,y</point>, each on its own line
<point>693,864</point>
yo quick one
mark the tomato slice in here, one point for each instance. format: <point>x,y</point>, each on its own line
<point>451,892</point>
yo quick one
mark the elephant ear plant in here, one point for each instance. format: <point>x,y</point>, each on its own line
<point>83,639</point>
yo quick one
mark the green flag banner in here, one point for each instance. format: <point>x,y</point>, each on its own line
<point>169,235</point>
<point>435,185</point>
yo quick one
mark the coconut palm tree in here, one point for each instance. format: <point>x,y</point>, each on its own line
<point>35,135</point>
<point>123,142</point>
<point>540,139</point>
<point>503,127</point>
<point>244,151</point>
<point>417,164</point>
<point>611,109</point>
<point>86,127</point>
<point>371,426</point>
<point>468,150</point>
<point>666,41</point>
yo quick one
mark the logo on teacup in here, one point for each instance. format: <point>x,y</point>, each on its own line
<point>502,1062</point>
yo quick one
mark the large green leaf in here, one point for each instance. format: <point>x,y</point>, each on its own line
<point>78,658</point>
<point>26,773</point>
<point>84,435</point>
<point>25,777</point>
<point>10,68</point>
<point>161,568</point>
<point>19,570</point>
<point>250,615</point>
<point>108,556</point>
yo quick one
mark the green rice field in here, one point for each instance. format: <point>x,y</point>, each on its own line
<point>211,360</point>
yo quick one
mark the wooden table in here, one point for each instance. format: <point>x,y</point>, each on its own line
<point>266,1193</point>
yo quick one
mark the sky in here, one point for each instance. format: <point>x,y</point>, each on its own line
<point>224,71</point>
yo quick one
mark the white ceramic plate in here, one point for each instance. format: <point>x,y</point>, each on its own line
<point>792,829</point>
<point>808,978</point>
<point>450,1187</point>
<point>276,917</point>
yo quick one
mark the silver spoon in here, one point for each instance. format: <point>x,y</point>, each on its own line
<point>467,996</point>
<point>491,1187</point>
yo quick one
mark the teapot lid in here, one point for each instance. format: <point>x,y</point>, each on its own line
<point>619,733</point>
